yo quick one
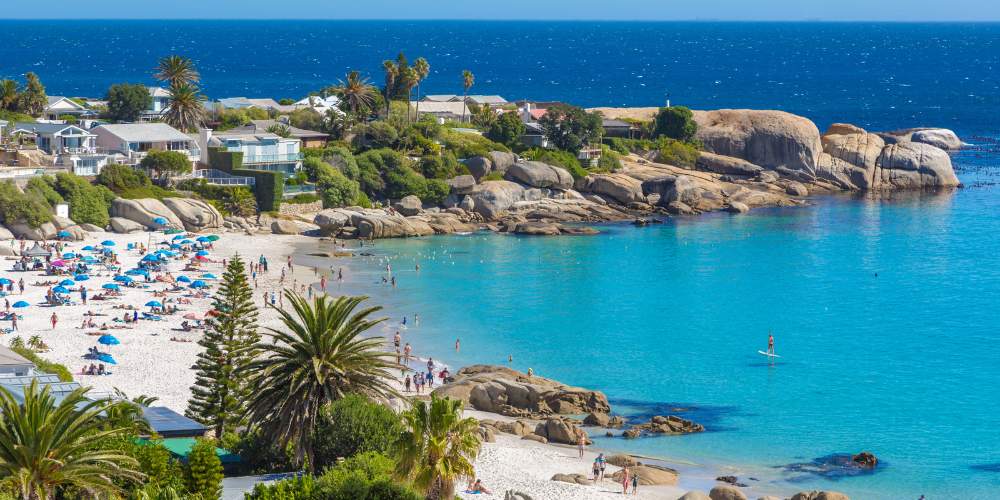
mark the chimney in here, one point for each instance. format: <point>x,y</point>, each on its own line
<point>204,136</point>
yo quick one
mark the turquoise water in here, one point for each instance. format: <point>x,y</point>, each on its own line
<point>884,311</point>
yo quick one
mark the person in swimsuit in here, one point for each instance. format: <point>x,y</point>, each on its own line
<point>770,343</point>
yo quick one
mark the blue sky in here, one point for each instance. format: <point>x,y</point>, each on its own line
<point>781,10</point>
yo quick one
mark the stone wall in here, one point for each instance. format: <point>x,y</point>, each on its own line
<point>300,208</point>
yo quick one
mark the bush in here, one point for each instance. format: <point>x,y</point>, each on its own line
<point>306,118</point>
<point>269,188</point>
<point>466,145</point>
<point>364,477</point>
<point>559,158</point>
<point>302,199</point>
<point>570,128</point>
<point>87,203</point>
<point>42,187</point>
<point>127,101</point>
<point>675,122</point>
<point>204,470</point>
<point>353,425</point>
<point>492,176</point>
<point>336,190</point>
<point>677,153</point>
<point>230,200</point>
<point>258,455</point>
<point>166,163</point>
<point>46,366</point>
<point>507,129</point>
<point>444,166</point>
<point>16,206</point>
<point>375,135</point>
<point>610,160</point>
<point>155,461</point>
<point>298,488</point>
<point>120,177</point>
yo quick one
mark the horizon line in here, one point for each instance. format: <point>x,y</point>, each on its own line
<point>546,20</point>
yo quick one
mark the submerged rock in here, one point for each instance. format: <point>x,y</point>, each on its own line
<point>834,466</point>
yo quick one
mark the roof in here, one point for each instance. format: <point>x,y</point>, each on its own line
<point>144,132</point>
<point>606,123</point>
<point>57,99</point>
<point>317,101</point>
<point>538,113</point>
<point>46,128</point>
<point>487,99</point>
<point>169,423</point>
<point>244,136</point>
<point>158,92</point>
<point>11,358</point>
<point>454,108</point>
<point>439,97</point>
<point>264,103</point>
<point>36,251</point>
<point>263,125</point>
<point>235,102</point>
<point>181,447</point>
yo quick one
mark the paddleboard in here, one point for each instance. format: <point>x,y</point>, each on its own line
<point>769,355</point>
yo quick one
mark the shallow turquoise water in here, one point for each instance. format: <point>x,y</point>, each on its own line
<point>884,312</point>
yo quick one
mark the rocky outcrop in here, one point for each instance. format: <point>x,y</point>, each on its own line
<point>462,184</point>
<point>557,430</point>
<point>492,198</point>
<point>572,479</point>
<point>909,165</point>
<point>865,459</point>
<point>498,389</point>
<point>123,225</point>
<point>669,425</point>
<point>479,166</point>
<point>650,475</point>
<point>390,226</point>
<point>938,137</point>
<point>195,215</point>
<point>408,206</point>
<point>448,223</point>
<point>769,139</point>
<point>620,460</point>
<point>539,175</point>
<point>90,228</point>
<point>726,492</point>
<point>62,222</point>
<point>711,162</point>
<point>46,231</point>
<point>502,161</point>
<point>144,211</point>
<point>76,233</point>
<point>283,226</point>
<point>694,495</point>
<point>819,495</point>
<point>621,188</point>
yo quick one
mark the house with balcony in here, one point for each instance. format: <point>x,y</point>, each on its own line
<point>134,140</point>
<point>71,146</point>
<point>158,105</point>
<point>61,106</point>
<point>261,150</point>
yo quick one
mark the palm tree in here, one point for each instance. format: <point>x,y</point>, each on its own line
<point>391,74</point>
<point>319,356</point>
<point>47,447</point>
<point>177,70</point>
<point>438,447</point>
<point>468,79</point>
<point>421,69</point>
<point>357,96</point>
<point>185,112</point>
<point>408,79</point>
<point>8,94</point>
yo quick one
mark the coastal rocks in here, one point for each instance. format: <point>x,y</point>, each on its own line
<point>537,229</point>
<point>461,184</point>
<point>467,204</point>
<point>679,208</point>
<point>46,231</point>
<point>447,223</point>
<point>694,495</point>
<point>144,211</point>
<point>195,215</point>
<point>492,198</point>
<point>938,137</point>
<point>795,188</point>
<point>670,425</point>
<point>390,226</point>
<point>620,460</point>
<point>5,234</point>
<point>331,220</point>
<point>572,478</point>
<point>122,225</point>
<point>556,430</point>
<point>283,226</point>
<point>766,138</point>
<point>479,166</point>
<point>517,427</point>
<point>62,222</point>
<point>502,161</point>
<point>498,389</point>
<point>726,492</point>
<point>597,419</point>
<point>534,437</point>
<point>650,475</point>
<point>621,188</point>
<point>837,466</point>
<point>76,233</point>
<point>486,433</point>
<point>914,165</point>
<point>90,228</point>
<point>819,495</point>
<point>710,162</point>
<point>408,206</point>
<point>736,207</point>
<point>865,459</point>
<point>539,175</point>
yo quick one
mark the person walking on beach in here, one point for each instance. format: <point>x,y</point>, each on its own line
<point>602,464</point>
<point>597,471</point>
<point>581,442</point>
<point>626,479</point>
<point>13,323</point>
<point>406,352</point>
<point>430,378</point>
<point>20,284</point>
<point>635,483</point>
<point>396,339</point>
<point>54,319</point>
<point>406,383</point>
<point>83,294</point>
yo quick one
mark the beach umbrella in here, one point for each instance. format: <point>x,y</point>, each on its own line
<point>110,286</point>
<point>151,258</point>
<point>58,263</point>
<point>209,276</point>
<point>69,255</point>
<point>178,237</point>
<point>202,239</point>
<point>124,279</point>
<point>213,237</point>
<point>108,340</point>
<point>154,303</point>
<point>19,304</point>
<point>136,272</point>
<point>175,246</point>
<point>5,281</point>
<point>108,243</point>
<point>81,277</point>
<point>183,279</point>
<point>64,234</point>
<point>202,253</point>
<point>160,220</point>
<point>107,359</point>
<point>88,248</point>
<point>199,284</point>
<point>168,253</point>
<point>201,257</point>
<point>60,289</point>
<point>67,283</point>
<point>186,242</point>
<point>89,260</point>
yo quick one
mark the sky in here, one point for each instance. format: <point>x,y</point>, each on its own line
<point>727,10</point>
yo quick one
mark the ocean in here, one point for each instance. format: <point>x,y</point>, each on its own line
<point>884,310</point>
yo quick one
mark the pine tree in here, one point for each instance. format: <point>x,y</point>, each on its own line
<point>204,470</point>
<point>219,396</point>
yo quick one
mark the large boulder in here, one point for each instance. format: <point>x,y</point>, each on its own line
<point>144,211</point>
<point>282,226</point>
<point>938,137</point>
<point>502,161</point>
<point>572,479</point>
<point>447,223</point>
<point>557,430</point>
<point>726,492</point>
<point>537,229</point>
<point>621,188</point>
<point>461,184</point>
<point>123,225</point>
<point>819,495</point>
<point>479,166</point>
<point>76,233</point>
<point>90,228</point>
<point>694,495</point>
<point>62,222</point>
<point>491,199</point>
<point>498,389</point>
<point>331,220</point>
<point>195,215</point>
<point>769,139</point>
<point>711,162</point>
<point>650,475</point>
<point>46,231</point>
<point>539,175</point>
<point>850,156</point>
<point>5,234</point>
<point>374,225</point>
<point>408,206</point>
<point>914,165</point>
<point>622,460</point>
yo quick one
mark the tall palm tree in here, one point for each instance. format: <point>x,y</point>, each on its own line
<point>357,96</point>
<point>318,356</point>
<point>177,70</point>
<point>438,447</point>
<point>8,94</point>
<point>421,69</point>
<point>185,111</point>
<point>468,79</point>
<point>47,447</point>
<point>408,79</point>
<point>391,75</point>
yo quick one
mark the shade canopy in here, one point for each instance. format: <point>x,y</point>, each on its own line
<point>81,277</point>
<point>60,289</point>
<point>110,286</point>
<point>108,340</point>
<point>5,281</point>
<point>67,283</point>
<point>154,303</point>
<point>108,243</point>
<point>199,284</point>
<point>160,220</point>
<point>19,304</point>
<point>107,358</point>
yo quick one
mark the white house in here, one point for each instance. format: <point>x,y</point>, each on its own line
<point>261,150</point>
<point>319,104</point>
<point>489,100</point>
<point>135,140</point>
<point>159,104</point>
<point>58,106</point>
<point>73,147</point>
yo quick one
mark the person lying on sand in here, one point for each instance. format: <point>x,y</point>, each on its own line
<point>476,487</point>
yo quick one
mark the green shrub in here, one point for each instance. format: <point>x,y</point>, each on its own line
<point>16,206</point>
<point>375,135</point>
<point>336,190</point>
<point>297,488</point>
<point>362,200</point>
<point>492,176</point>
<point>46,366</point>
<point>155,461</point>
<point>570,127</point>
<point>677,153</point>
<point>618,145</point>
<point>364,477</point>
<point>302,199</point>
<point>119,177</point>
<point>203,472</point>
<point>258,455</point>
<point>269,188</point>
<point>43,188</point>
<point>610,160</point>
<point>507,129</point>
<point>86,202</point>
<point>675,122</point>
<point>466,145</point>
<point>352,425</point>
<point>559,158</point>
<point>444,166</point>
<point>166,163</point>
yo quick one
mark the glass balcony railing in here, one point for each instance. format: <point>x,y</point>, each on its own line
<point>277,158</point>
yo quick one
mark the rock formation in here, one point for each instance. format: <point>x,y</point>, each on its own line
<point>766,138</point>
<point>144,211</point>
<point>650,475</point>
<point>539,175</point>
<point>195,215</point>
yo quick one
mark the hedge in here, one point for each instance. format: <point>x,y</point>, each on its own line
<point>269,187</point>
<point>227,161</point>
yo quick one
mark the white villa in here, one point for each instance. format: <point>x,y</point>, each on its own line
<point>72,146</point>
<point>160,103</point>
<point>488,100</point>
<point>319,104</point>
<point>261,150</point>
<point>58,106</point>
<point>135,140</point>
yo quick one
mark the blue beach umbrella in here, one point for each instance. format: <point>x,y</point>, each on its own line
<point>199,284</point>
<point>135,272</point>
<point>212,237</point>
<point>108,243</point>
<point>19,304</point>
<point>107,359</point>
<point>178,237</point>
<point>69,255</point>
<point>209,276</point>
<point>123,279</point>
<point>183,279</point>
<point>88,248</point>
<point>108,340</point>
<point>154,303</point>
<point>60,289</point>
<point>186,242</point>
<point>67,283</point>
<point>89,260</point>
<point>5,281</point>
<point>110,286</point>
<point>202,239</point>
<point>64,234</point>
<point>151,258</point>
<point>81,277</point>
<point>202,253</point>
<point>160,220</point>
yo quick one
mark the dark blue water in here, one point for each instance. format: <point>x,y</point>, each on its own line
<point>875,75</point>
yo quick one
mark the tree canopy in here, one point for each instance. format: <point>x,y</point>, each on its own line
<point>570,127</point>
<point>127,101</point>
<point>675,122</point>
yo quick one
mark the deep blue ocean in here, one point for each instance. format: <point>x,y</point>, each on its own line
<point>884,309</point>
